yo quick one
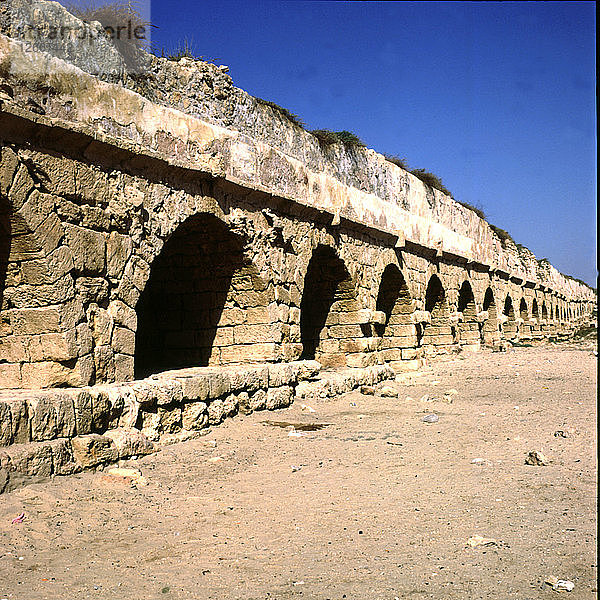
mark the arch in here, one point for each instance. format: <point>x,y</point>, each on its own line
<point>544,311</point>
<point>535,315</point>
<point>510,325</point>
<point>438,332</point>
<point>489,330</point>
<point>524,329</point>
<point>329,323</point>
<point>398,333</point>
<point>200,290</point>
<point>468,327</point>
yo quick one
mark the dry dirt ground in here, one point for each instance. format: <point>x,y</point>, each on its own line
<point>381,507</point>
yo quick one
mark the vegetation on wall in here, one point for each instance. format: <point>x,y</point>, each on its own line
<point>325,137</point>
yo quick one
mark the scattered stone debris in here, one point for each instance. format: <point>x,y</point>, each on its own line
<point>367,390</point>
<point>296,468</point>
<point>477,541</point>
<point>19,519</point>
<point>388,392</point>
<point>537,458</point>
<point>480,461</point>
<point>560,585</point>
<point>297,426</point>
<point>433,418</point>
<point>425,398</point>
<point>133,476</point>
<point>562,433</point>
<point>307,408</point>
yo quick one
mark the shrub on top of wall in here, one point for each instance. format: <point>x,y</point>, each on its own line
<point>396,160</point>
<point>431,180</point>
<point>284,112</point>
<point>503,235</point>
<point>325,137</point>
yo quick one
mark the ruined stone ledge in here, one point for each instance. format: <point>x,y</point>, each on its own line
<point>63,431</point>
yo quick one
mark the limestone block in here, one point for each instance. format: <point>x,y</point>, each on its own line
<point>124,367</point>
<point>22,185</point>
<point>307,369</point>
<point>130,442</point>
<point>244,403</point>
<point>194,416</point>
<point>63,461</point>
<point>6,427</point>
<point>94,217</point>
<point>230,405</point>
<point>82,405</point>
<point>279,397</point>
<point>123,341</point>
<point>65,415</point>
<point>49,233</point>
<point>92,289</point>
<point>42,418</point>
<point>118,251</point>
<point>361,359</point>
<point>216,412</point>
<point>194,387</point>
<point>224,336</point>
<point>88,248</point>
<point>345,331</point>
<point>218,384</point>
<point>54,347</point>
<point>33,459</point>
<point>257,400</point>
<point>169,418</point>
<point>409,353</point>
<point>19,419</point>
<point>15,349</point>
<point>123,315</point>
<point>248,377</point>
<point>130,409</point>
<point>165,391</point>
<point>260,352</point>
<point>283,374</point>
<point>93,450</point>
<point>104,361</point>
<point>27,296</point>
<point>27,321</point>
<point>251,334</point>
<point>483,316</point>
<point>37,208</point>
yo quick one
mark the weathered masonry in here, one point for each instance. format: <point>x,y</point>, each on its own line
<point>170,258</point>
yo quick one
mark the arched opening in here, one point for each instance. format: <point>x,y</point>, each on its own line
<point>510,325</point>
<point>535,315</point>
<point>193,309</point>
<point>438,332</point>
<point>489,331</point>
<point>399,332</point>
<point>329,322</point>
<point>468,328</point>
<point>544,311</point>
<point>524,330</point>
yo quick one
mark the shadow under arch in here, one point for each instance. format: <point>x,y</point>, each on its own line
<point>469,327</point>
<point>393,299</point>
<point>510,326</point>
<point>199,288</point>
<point>438,332</point>
<point>328,292</point>
<point>490,331</point>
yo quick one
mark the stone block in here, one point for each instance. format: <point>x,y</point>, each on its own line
<point>82,404</point>
<point>123,341</point>
<point>216,412</point>
<point>195,387</point>
<point>248,377</point>
<point>130,442</point>
<point>42,418</point>
<point>63,460</point>
<point>283,374</point>
<point>88,248</point>
<point>260,352</point>
<point>218,384</point>
<point>33,459</point>
<point>230,405</point>
<point>93,450</point>
<point>257,400</point>
<point>6,427</point>
<point>279,397</point>
<point>49,233</point>
<point>65,415</point>
<point>118,251</point>
<point>123,315</point>
<point>307,369</point>
<point>194,416</point>
<point>19,420</point>
<point>169,418</point>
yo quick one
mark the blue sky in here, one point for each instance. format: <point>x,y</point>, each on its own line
<point>498,99</point>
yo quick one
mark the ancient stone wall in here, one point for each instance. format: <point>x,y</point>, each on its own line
<point>142,244</point>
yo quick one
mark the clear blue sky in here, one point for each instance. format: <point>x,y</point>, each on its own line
<point>498,99</point>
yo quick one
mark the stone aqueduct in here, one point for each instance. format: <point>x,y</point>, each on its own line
<point>141,234</point>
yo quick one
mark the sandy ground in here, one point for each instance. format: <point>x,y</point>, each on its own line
<point>381,507</point>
